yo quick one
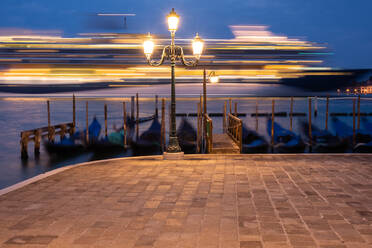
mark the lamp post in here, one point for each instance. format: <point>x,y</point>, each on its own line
<point>213,79</point>
<point>173,53</point>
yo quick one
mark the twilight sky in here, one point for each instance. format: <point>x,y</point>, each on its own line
<point>343,25</point>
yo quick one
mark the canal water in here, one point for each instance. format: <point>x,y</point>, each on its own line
<point>22,112</point>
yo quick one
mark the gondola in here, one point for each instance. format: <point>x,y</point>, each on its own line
<point>68,146</point>
<point>149,141</point>
<point>363,137</point>
<point>187,137</point>
<point>285,141</point>
<point>344,131</point>
<point>323,141</point>
<point>113,143</point>
<point>252,142</point>
<point>74,144</point>
<point>367,124</point>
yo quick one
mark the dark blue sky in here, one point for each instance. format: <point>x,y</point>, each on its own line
<point>343,25</point>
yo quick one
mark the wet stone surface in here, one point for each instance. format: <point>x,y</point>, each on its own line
<point>203,201</point>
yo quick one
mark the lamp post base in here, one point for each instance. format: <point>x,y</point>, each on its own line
<point>173,155</point>
<point>173,146</point>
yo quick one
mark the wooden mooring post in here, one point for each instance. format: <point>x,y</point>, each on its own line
<point>310,131</point>
<point>236,109</point>
<point>137,117</point>
<point>354,121</point>
<point>257,115</point>
<point>156,107</point>
<point>86,123</point>
<point>105,119</point>
<point>132,108</point>
<point>358,121</point>
<point>272,123</point>
<point>50,132</point>
<point>73,113</point>
<point>315,106</point>
<point>291,116</point>
<point>326,117</point>
<point>124,125</point>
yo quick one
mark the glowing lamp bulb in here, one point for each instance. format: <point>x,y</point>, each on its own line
<point>214,79</point>
<point>148,46</point>
<point>197,46</point>
<point>173,20</point>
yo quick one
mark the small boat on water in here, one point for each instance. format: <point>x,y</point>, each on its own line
<point>74,144</point>
<point>68,146</point>
<point>285,141</point>
<point>113,143</point>
<point>323,141</point>
<point>367,124</point>
<point>187,135</point>
<point>149,141</point>
<point>252,142</point>
<point>363,137</point>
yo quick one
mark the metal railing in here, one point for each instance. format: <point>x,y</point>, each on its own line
<point>208,133</point>
<point>234,129</point>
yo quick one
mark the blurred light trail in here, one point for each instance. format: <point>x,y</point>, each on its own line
<point>254,55</point>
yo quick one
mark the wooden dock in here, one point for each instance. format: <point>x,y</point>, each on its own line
<point>229,142</point>
<point>223,144</point>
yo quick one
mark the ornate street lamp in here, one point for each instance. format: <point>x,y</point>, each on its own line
<point>173,53</point>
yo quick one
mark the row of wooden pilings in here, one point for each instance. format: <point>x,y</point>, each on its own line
<point>356,116</point>
<point>51,131</point>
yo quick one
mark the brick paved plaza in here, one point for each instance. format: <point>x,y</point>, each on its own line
<point>207,201</point>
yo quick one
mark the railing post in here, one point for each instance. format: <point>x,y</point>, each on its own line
<point>230,103</point>
<point>241,135</point>
<point>224,118</point>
